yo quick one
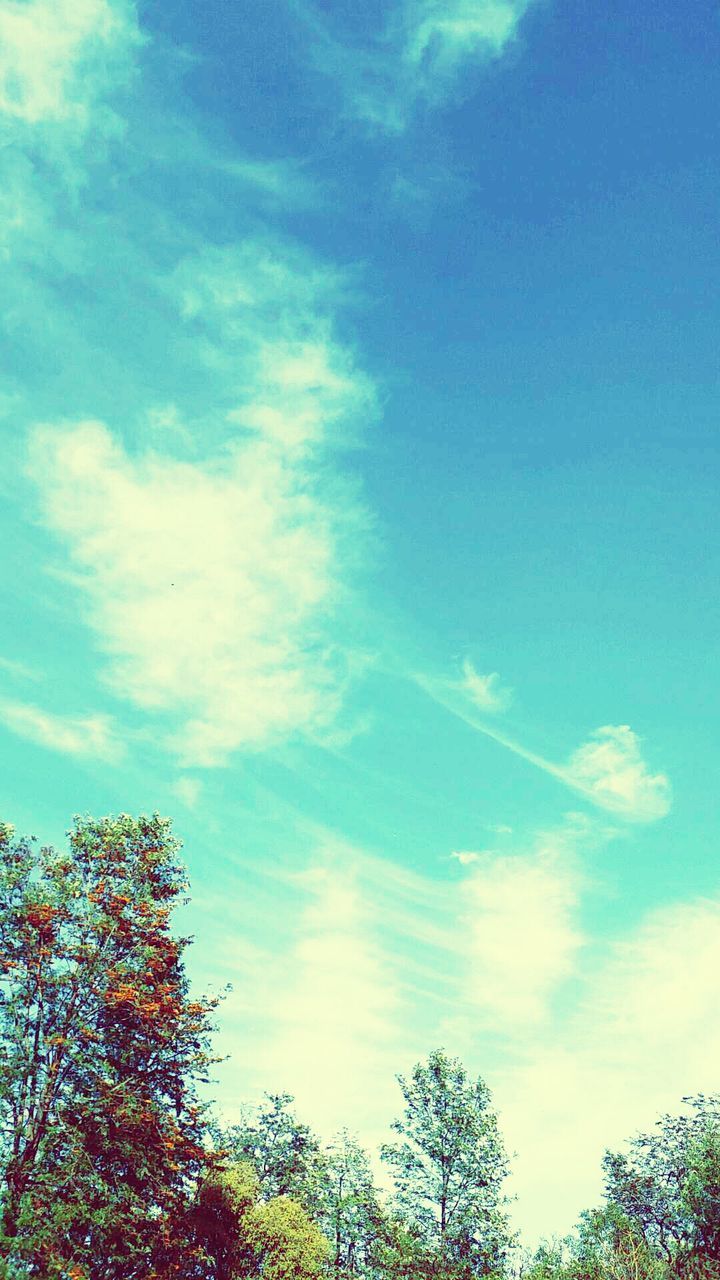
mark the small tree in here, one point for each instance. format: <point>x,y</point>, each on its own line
<point>449,1167</point>
<point>241,1235</point>
<point>287,1244</point>
<point>283,1151</point>
<point>218,1219</point>
<point>101,1050</point>
<point>610,1246</point>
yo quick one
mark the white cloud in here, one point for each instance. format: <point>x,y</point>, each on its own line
<point>214,586</point>
<point>520,931</point>
<point>57,55</point>
<point>206,585</point>
<point>485,691</point>
<point>262,312</point>
<point>441,34</point>
<point>335,1008</point>
<point>82,736</point>
<point>465,856</point>
<point>610,770</point>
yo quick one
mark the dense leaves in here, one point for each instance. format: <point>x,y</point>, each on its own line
<point>239,1234</point>
<point>668,1184</point>
<point>101,1131</point>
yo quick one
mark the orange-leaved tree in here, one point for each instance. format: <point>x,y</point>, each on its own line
<point>102,1047</point>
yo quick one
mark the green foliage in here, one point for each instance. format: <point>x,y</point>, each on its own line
<point>101,1132</point>
<point>287,1244</point>
<point>449,1167</point>
<point>283,1151</point>
<point>548,1263</point>
<point>610,1246</point>
<point>240,1235</point>
<point>350,1212</point>
<point>668,1186</point>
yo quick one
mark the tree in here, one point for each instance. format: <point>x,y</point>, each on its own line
<point>102,1048</point>
<point>218,1219</point>
<point>668,1184</point>
<point>351,1214</point>
<point>240,1235</point>
<point>287,1244</point>
<point>449,1167</point>
<point>284,1152</point>
<point>610,1246</point>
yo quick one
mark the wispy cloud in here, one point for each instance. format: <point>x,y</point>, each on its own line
<point>608,770</point>
<point>466,857</point>
<point>19,670</point>
<point>91,736</point>
<point>335,1006</point>
<point>420,58</point>
<point>262,313</point>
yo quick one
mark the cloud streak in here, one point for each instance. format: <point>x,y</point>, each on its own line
<point>608,770</point>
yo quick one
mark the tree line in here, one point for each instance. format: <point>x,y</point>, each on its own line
<point>114,1167</point>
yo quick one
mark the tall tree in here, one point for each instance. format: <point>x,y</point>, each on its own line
<point>449,1167</point>
<point>101,1050</point>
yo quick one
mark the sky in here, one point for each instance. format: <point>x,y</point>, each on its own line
<point>358,476</point>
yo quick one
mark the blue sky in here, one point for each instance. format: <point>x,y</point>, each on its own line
<point>358,474</point>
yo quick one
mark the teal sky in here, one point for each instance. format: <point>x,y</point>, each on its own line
<point>359,478</point>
